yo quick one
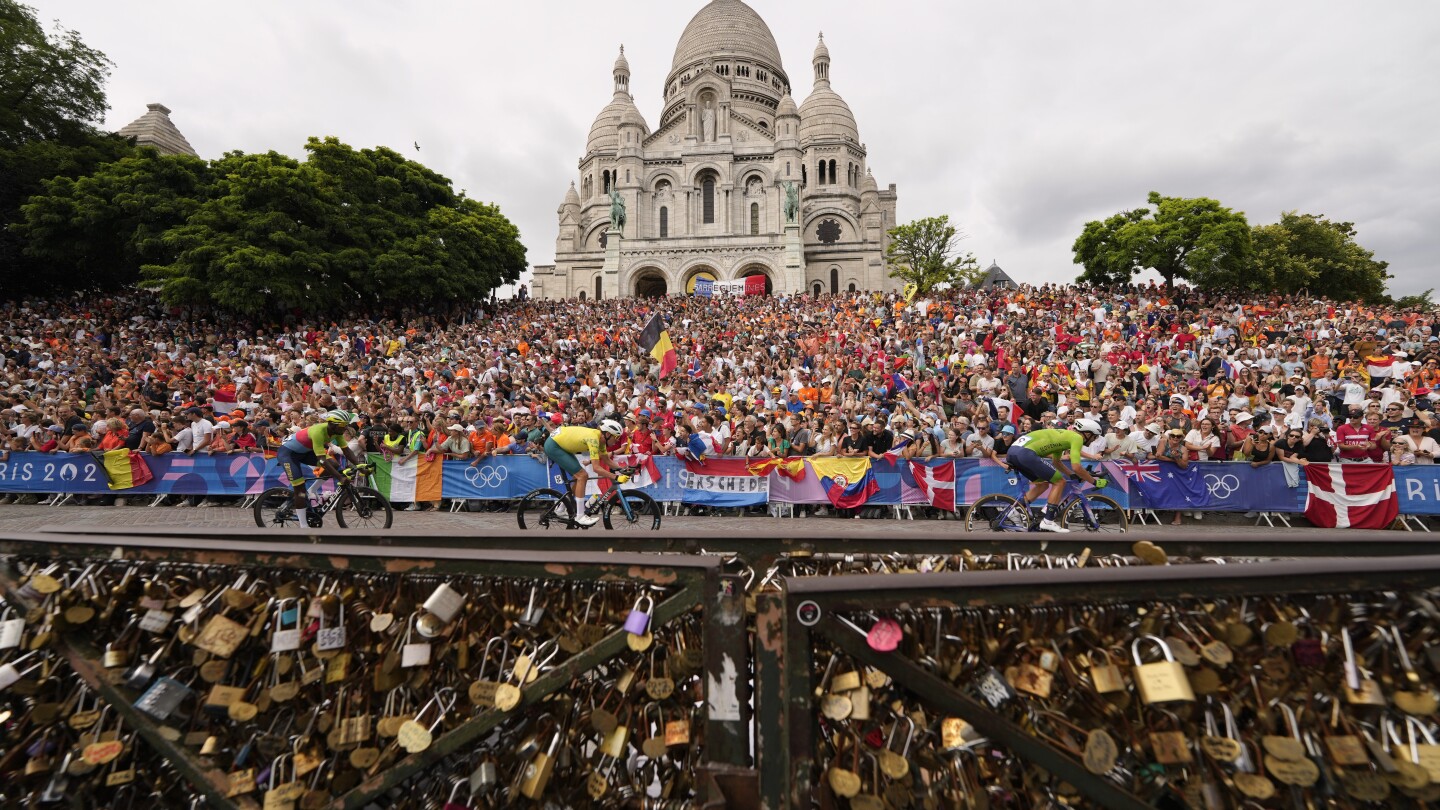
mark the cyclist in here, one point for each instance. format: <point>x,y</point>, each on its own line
<point>1037,454</point>
<point>302,449</point>
<point>564,443</point>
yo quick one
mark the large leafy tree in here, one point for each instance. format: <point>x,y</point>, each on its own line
<point>1196,239</point>
<point>51,85</point>
<point>926,253</point>
<point>1309,252</point>
<point>103,226</point>
<point>345,228</point>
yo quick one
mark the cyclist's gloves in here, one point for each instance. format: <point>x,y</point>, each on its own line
<point>620,479</point>
<point>1101,483</point>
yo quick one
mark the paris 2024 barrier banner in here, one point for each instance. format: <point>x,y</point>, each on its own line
<point>730,482</point>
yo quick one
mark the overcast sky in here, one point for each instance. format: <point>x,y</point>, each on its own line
<point>1021,120</point>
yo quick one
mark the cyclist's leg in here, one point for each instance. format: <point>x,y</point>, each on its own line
<point>571,466</point>
<point>1043,476</point>
<point>293,465</point>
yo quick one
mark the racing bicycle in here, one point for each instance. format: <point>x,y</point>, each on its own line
<point>1078,511</point>
<point>548,508</point>
<point>355,506</point>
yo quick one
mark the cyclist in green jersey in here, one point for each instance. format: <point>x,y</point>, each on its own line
<point>1039,453</point>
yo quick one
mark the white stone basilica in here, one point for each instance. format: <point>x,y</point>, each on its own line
<point>705,193</point>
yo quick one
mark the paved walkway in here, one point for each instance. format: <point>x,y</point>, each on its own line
<point>22,518</point>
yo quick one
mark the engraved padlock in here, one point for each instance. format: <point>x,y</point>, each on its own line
<point>285,631</point>
<point>1161,681</point>
<point>414,653</point>
<point>638,622</point>
<point>328,637</point>
<point>446,602</point>
<point>162,698</point>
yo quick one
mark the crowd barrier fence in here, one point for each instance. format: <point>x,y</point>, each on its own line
<point>1227,486</point>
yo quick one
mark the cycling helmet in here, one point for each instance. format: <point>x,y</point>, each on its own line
<point>1088,426</point>
<point>341,418</point>
<point>611,427</point>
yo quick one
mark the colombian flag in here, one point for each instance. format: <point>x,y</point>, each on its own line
<point>655,340</point>
<point>123,468</point>
<point>848,482</point>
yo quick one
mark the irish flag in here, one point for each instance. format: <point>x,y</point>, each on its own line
<point>123,468</point>
<point>416,480</point>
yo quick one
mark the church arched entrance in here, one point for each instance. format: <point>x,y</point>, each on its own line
<point>650,284</point>
<point>750,272</point>
<point>695,274</point>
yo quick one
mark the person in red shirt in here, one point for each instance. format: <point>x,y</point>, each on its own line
<point>1355,440</point>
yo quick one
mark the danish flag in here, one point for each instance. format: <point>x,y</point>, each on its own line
<point>936,483</point>
<point>1351,496</point>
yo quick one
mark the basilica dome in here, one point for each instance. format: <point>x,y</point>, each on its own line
<point>727,28</point>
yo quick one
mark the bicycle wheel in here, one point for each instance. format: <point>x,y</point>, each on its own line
<point>1109,517</point>
<point>364,508</point>
<point>997,513</point>
<point>536,510</point>
<point>644,512</point>
<point>275,509</point>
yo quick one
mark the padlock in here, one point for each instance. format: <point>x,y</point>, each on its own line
<point>482,691</point>
<point>10,673</point>
<point>1160,681</point>
<point>413,735</point>
<point>537,773</point>
<point>285,628</point>
<point>139,676</point>
<point>1105,677</point>
<point>535,613</point>
<point>414,653</point>
<point>162,698</point>
<point>453,802</point>
<point>12,629</point>
<point>638,622</point>
<point>445,602</point>
<point>484,778</point>
<point>1425,754</point>
<point>329,638</point>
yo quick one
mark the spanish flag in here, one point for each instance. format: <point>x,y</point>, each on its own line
<point>655,340</point>
<point>123,468</point>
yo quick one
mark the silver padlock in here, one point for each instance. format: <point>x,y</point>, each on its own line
<point>12,629</point>
<point>484,778</point>
<point>445,603</point>
<point>139,675</point>
<point>11,673</point>
<point>285,639</point>
<point>331,638</point>
<point>162,698</point>
<point>534,613</point>
<point>414,654</point>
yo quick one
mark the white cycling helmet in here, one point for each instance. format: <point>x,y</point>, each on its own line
<point>1088,426</point>
<point>611,427</point>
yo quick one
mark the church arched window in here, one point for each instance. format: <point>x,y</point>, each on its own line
<point>664,222</point>
<point>820,173</point>
<point>598,281</point>
<point>582,295</point>
<point>754,219</point>
<point>804,175</point>
<point>832,172</point>
<point>605,176</point>
<point>852,286</point>
<point>818,289</point>
<point>835,279</point>
<point>707,199</point>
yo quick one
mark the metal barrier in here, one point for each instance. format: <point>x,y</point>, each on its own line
<point>689,583</point>
<point>813,610</point>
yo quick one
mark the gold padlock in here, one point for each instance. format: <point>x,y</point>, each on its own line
<point>1161,681</point>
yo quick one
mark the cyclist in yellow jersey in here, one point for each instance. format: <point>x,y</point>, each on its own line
<point>1037,454</point>
<point>565,443</point>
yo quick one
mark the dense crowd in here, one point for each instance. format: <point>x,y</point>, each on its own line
<point>1181,376</point>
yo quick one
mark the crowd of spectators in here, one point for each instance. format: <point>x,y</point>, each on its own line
<point>1180,376</point>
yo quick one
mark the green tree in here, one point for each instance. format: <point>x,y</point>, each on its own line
<point>926,253</point>
<point>1196,239</point>
<point>346,228</point>
<point>1421,302</point>
<point>50,85</point>
<point>102,227</point>
<point>1309,252</point>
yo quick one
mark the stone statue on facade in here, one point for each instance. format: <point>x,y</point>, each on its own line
<point>617,211</point>
<point>707,124</point>
<point>792,203</point>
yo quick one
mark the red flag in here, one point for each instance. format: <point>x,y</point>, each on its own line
<point>1351,496</point>
<point>937,483</point>
<point>754,285</point>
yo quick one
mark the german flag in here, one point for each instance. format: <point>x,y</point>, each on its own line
<point>655,340</point>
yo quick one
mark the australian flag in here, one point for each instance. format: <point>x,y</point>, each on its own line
<point>1174,488</point>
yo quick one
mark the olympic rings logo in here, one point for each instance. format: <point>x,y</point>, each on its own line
<point>487,476</point>
<point>1221,486</point>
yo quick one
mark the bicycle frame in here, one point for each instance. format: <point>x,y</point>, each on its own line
<point>1070,494</point>
<point>614,494</point>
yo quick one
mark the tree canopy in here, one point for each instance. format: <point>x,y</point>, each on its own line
<point>51,85</point>
<point>343,229</point>
<point>926,253</point>
<point>1309,252</point>
<point>1195,239</point>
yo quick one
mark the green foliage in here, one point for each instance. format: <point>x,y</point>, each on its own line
<point>1309,252</point>
<point>25,170</point>
<point>50,86</point>
<point>1196,239</point>
<point>346,228</point>
<point>1421,302</point>
<point>103,226</point>
<point>926,253</point>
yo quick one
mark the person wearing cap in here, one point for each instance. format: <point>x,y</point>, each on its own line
<point>1172,449</point>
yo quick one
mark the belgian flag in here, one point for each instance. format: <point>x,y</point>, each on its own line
<point>655,340</point>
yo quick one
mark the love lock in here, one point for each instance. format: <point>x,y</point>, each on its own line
<point>415,737</point>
